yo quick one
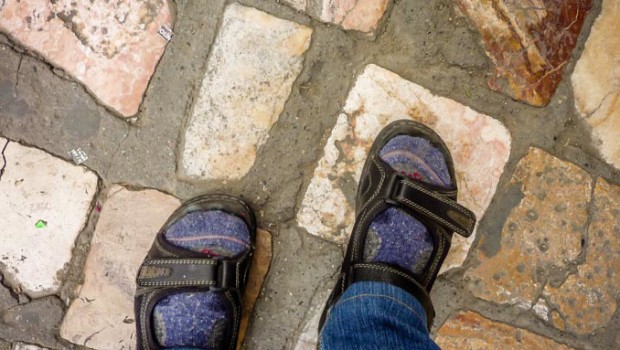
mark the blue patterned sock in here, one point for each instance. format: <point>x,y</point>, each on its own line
<point>395,237</point>
<point>198,319</point>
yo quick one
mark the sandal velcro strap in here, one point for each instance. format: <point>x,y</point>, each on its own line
<point>220,274</point>
<point>377,272</point>
<point>397,189</point>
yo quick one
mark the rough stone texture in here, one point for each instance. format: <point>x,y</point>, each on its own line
<point>34,322</point>
<point>479,144</point>
<point>110,47</point>
<point>36,186</point>
<point>541,236</point>
<point>529,42</point>
<point>102,315</point>
<point>24,346</point>
<point>309,334</point>
<point>360,15</point>
<point>596,82</point>
<point>255,60</point>
<point>298,268</point>
<point>469,330</point>
<point>258,271</point>
<point>587,300</point>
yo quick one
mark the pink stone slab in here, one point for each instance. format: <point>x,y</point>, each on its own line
<point>480,146</point>
<point>360,15</point>
<point>112,47</point>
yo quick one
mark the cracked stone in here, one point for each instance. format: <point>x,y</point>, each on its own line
<point>101,317</point>
<point>254,62</point>
<point>480,146</point>
<point>596,82</point>
<point>469,330</point>
<point>45,206</point>
<point>536,250</point>
<point>529,42</point>
<point>112,47</point>
<point>309,337</point>
<point>587,300</point>
<point>360,15</point>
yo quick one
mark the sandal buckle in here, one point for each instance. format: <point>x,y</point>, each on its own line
<point>392,187</point>
<point>226,275</point>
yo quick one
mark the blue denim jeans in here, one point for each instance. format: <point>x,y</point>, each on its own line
<point>374,315</point>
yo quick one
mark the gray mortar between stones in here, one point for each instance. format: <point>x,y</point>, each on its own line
<point>427,42</point>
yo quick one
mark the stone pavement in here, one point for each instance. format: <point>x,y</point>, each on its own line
<point>278,102</point>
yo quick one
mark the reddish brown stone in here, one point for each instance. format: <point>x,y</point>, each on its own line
<point>529,42</point>
<point>469,330</point>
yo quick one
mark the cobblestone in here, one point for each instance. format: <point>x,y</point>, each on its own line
<point>528,41</point>
<point>110,47</point>
<point>101,317</point>
<point>24,346</point>
<point>587,300</point>
<point>360,15</point>
<point>596,83</point>
<point>542,235</point>
<point>278,102</point>
<point>378,98</point>
<point>45,205</point>
<point>257,56</point>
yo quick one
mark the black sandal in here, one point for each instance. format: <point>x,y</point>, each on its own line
<point>381,187</point>
<point>168,270</point>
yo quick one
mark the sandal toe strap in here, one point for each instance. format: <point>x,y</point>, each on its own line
<point>177,272</point>
<point>436,205</point>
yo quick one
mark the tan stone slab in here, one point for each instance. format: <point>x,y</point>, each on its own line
<point>541,236</point>
<point>596,82</point>
<point>254,62</point>
<point>480,146</point>
<point>359,15</point>
<point>470,331</point>
<point>102,315</point>
<point>587,300</point>
<point>529,42</point>
<point>44,204</point>
<point>261,261</point>
<point>112,47</point>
